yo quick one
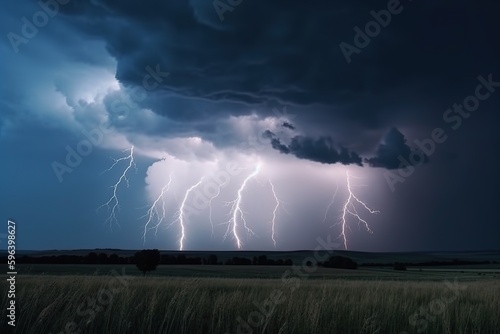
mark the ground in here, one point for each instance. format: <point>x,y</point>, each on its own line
<point>260,299</point>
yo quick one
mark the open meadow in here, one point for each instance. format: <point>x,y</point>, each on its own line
<point>255,299</point>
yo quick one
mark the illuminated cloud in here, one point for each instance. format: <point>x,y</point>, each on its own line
<point>228,83</point>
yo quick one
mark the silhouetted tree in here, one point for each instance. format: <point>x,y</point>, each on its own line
<point>399,266</point>
<point>262,260</point>
<point>147,260</point>
<point>91,258</point>
<point>238,261</point>
<point>341,262</point>
<point>212,259</point>
<point>102,258</point>
<point>114,259</point>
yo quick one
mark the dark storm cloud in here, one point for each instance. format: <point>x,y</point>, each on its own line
<point>288,125</point>
<point>275,142</point>
<point>265,54</point>
<point>292,56</point>
<point>322,150</point>
<point>394,152</point>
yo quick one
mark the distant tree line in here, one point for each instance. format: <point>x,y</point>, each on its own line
<point>212,259</point>
<point>261,260</point>
<point>340,262</point>
<point>154,256</point>
<point>103,258</point>
<point>90,258</point>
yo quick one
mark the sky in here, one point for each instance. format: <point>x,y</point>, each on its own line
<point>250,125</point>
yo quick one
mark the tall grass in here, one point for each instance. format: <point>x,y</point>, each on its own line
<point>54,304</point>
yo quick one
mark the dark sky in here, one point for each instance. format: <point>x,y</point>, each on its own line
<point>263,109</point>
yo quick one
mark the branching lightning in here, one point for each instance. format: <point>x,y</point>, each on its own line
<point>210,206</point>
<point>156,213</point>
<point>273,221</point>
<point>180,214</point>
<point>153,211</point>
<point>113,202</point>
<point>349,208</point>
<point>331,203</point>
<point>236,211</point>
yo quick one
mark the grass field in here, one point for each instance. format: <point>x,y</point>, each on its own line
<point>135,304</point>
<point>479,272</point>
<point>175,299</point>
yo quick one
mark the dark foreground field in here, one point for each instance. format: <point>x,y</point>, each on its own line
<point>257,299</point>
<point>133,304</point>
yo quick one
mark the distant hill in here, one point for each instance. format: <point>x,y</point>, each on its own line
<point>296,256</point>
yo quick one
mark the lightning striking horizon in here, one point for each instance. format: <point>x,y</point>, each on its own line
<point>273,221</point>
<point>114,199</point>
<point>180,214</point>
<point>236,210</point>
<point>156,213</point>
<point>350,208</point>
<point>153,211</point>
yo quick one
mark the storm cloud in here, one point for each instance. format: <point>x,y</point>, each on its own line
<point>267,67</point>
<point>322,150</point>
<point>221,68</point>
<point>394,152</point>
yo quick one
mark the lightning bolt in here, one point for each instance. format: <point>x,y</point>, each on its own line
<point>153,211</point>
<point>331,203</point>
<point>113,202</point>
<point>349,208</point>
<point>273,221</point>
<point>210,206</point>
<point>236,211</point>
<point>180,214</point>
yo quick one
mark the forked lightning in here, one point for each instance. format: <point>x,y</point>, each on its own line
<point>273,221</point>
<point>180,214</point>
<point>236,211</point>
<point>349,208</point>
<point>153,211</point>
<point>113,202</point>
